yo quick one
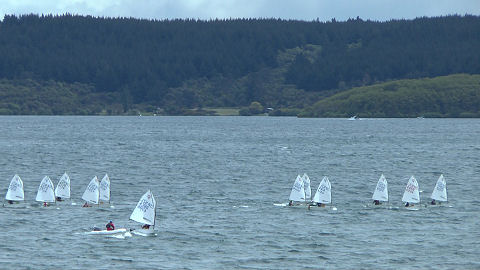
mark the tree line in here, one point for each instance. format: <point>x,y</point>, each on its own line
<point>184,63</point>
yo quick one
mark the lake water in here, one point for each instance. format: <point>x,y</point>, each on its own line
<point>216,180</point>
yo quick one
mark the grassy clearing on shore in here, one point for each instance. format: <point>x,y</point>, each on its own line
<point>224,111</point>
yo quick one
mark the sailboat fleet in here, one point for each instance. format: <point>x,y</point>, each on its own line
<point>96,193</point>
<point>301,193</point>
<point>144,213</point>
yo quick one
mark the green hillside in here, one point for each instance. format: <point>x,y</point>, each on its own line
<point>29,97</point>
<point>446,96</point>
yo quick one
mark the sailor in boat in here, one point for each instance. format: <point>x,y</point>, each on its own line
<point>146,226</point>
<point>10,202</point>
<point>59,199</point>
<point>376,202</point>
<point>110,226</point>
<point>45,204</point>
<point>409,205</point>
<point>290,203</point>
<point>86,205</point>
<point>433,202</point>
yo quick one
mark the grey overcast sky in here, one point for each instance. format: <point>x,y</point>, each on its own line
<point>308,10</point>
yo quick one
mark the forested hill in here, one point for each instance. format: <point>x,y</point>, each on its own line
<point>179,64</point>
<point>445,96</point>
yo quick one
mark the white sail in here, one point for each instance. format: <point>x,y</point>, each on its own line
<point>63,187</point>
<point>91,194</point>
<point>307,187</point>
<point>324,192</point>
<point>105,189</point>
<point>298,191</point>
<point>45,191</point>
<point>144,212</point>
<point>411,194</point>
<point>381,191</point>
<point>440,191</point>
<point>15,189</point>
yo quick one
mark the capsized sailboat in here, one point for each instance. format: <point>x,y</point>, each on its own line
<point>298,191</point>
<point>45,193</point>
<point>15,192</point>
<point>439,193</point>
<point>105,189</point>
<point>144,213</point>
<point>381,191</point>
<point>92,193</point>
<point>411,196</point>
<point>62,191</point>
<point>323,195</point>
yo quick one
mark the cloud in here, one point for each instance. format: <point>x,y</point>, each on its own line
<point>211,9</point>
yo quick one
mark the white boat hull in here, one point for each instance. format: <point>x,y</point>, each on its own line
<point>105,232</point>
<point>413,208</point>
<point>325,207</point>
<point>143,232</point>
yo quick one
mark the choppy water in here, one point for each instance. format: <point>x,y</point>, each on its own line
<point>216,180</point>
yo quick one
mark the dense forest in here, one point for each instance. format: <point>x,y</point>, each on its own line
<point>88,65</point>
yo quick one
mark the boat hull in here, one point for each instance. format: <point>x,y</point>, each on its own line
<point>143,232</point>
<point>320,208</point>
<point>105,232</point>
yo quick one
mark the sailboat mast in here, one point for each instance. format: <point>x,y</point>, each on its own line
<point>154,216</point>
<point>98,197</point>
<point>331,195</point>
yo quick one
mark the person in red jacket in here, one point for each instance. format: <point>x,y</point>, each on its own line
<point>110,226</point>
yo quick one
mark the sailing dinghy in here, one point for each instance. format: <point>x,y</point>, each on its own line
<point>323,195</point>
<point>92,194</point>
<point>62,191</point>
<point>381,191</point>
<point>411,196</point>
<point>439,194</point>
<point>15,193</point>
<point>45,193</point>
<point>307,187</point>
<point>298,192</point>
<point>144,213</point>
<point>105,189</point>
